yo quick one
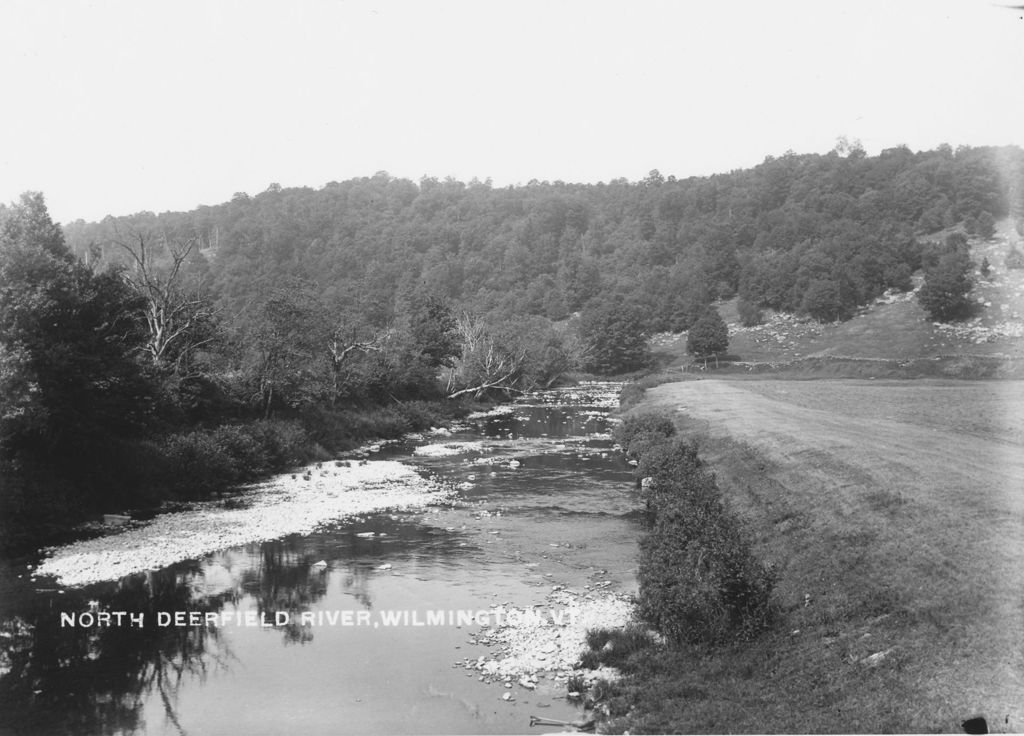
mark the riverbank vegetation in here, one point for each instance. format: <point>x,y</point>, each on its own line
<point>121,389</point>
<point>701,587</point>
<point>699,582</point>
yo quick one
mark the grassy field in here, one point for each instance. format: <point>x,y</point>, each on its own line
<point>894,515</point>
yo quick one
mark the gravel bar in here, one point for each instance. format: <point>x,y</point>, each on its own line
<point>539,645</point>
<point>297,503</point>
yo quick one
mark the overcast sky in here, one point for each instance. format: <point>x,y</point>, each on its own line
<point>116,107</point>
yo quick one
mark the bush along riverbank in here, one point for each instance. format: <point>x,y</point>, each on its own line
<point>45,505</point>
<point>701,588</point>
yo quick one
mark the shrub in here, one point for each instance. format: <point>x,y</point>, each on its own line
<point>420,414</point>
<point>196,464</point>
<point>643,427</point>
<point>619,648</point>
<point>699,579</point>
<point>677,476</point>
<point>283,442</point>
<point>342,429</point>
<point>669,459</point>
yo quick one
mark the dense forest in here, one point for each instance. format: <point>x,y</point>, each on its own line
<point>664,246</point>
<point>179,351</point>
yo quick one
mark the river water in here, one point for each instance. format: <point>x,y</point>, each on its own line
<point>543,502</point>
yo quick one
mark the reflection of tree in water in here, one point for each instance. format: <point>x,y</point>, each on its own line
<point>289,580</point>
<point>285,581</point>
<point>96,680</point>
<point>357,584</point>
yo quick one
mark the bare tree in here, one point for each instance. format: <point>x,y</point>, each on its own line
<point>483,365</point>
<point>342,342</point>
<point>174,309</point>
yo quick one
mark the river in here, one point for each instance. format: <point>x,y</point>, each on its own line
<point>368,635</point>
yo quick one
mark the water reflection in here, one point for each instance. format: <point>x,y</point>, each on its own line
<point>58,678</point>
<point>286,582</point>
<point>177,679</point>
<point>64,679</point>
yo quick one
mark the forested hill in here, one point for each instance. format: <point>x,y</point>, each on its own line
<point>813,233</point>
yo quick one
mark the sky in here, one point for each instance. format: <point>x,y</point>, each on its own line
<point>121,106</point>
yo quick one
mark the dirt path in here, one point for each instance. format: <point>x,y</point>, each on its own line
<point>929,462</point>
<point>902,493</point>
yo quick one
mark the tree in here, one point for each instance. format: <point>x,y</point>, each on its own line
<point>485,364</point>
<point>281,349</point>
<point>550,352</point>
<point>614,339</point>
<point>347,339</point>
<point>946,289</point>
<point>513,356</point>
<point>69,386</point>
<point>177,313</point>
<point>432,327</point>
<point>709,334</point>
<point>822,300</point>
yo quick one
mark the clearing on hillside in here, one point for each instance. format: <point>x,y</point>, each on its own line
<point>894,326</point>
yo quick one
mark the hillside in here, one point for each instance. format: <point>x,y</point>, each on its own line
<point>843,223</point>
<point>893,327</point>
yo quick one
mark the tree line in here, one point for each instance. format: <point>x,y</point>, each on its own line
<point>812,233</point>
